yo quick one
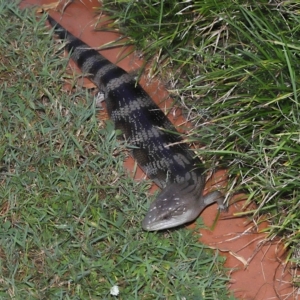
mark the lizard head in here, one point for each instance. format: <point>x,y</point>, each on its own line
<point>177,204</point>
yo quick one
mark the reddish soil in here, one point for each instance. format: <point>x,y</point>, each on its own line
<point>258,269</point>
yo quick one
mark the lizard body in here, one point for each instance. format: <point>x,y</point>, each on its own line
<point>155,144</point>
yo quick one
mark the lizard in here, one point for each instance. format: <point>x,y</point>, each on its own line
<point>154,141</point>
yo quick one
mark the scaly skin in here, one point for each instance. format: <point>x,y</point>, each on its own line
<point>156,145</point>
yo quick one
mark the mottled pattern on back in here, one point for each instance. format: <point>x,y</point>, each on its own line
<point>148,131</point>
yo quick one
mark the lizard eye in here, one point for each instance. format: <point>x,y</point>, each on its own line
<point>166,216</point>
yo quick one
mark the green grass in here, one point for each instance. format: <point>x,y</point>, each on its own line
<point>235,66</point>
<point>70,218</point>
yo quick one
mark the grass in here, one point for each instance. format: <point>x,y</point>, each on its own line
<point>70,216</point>
<point>235,68</point>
